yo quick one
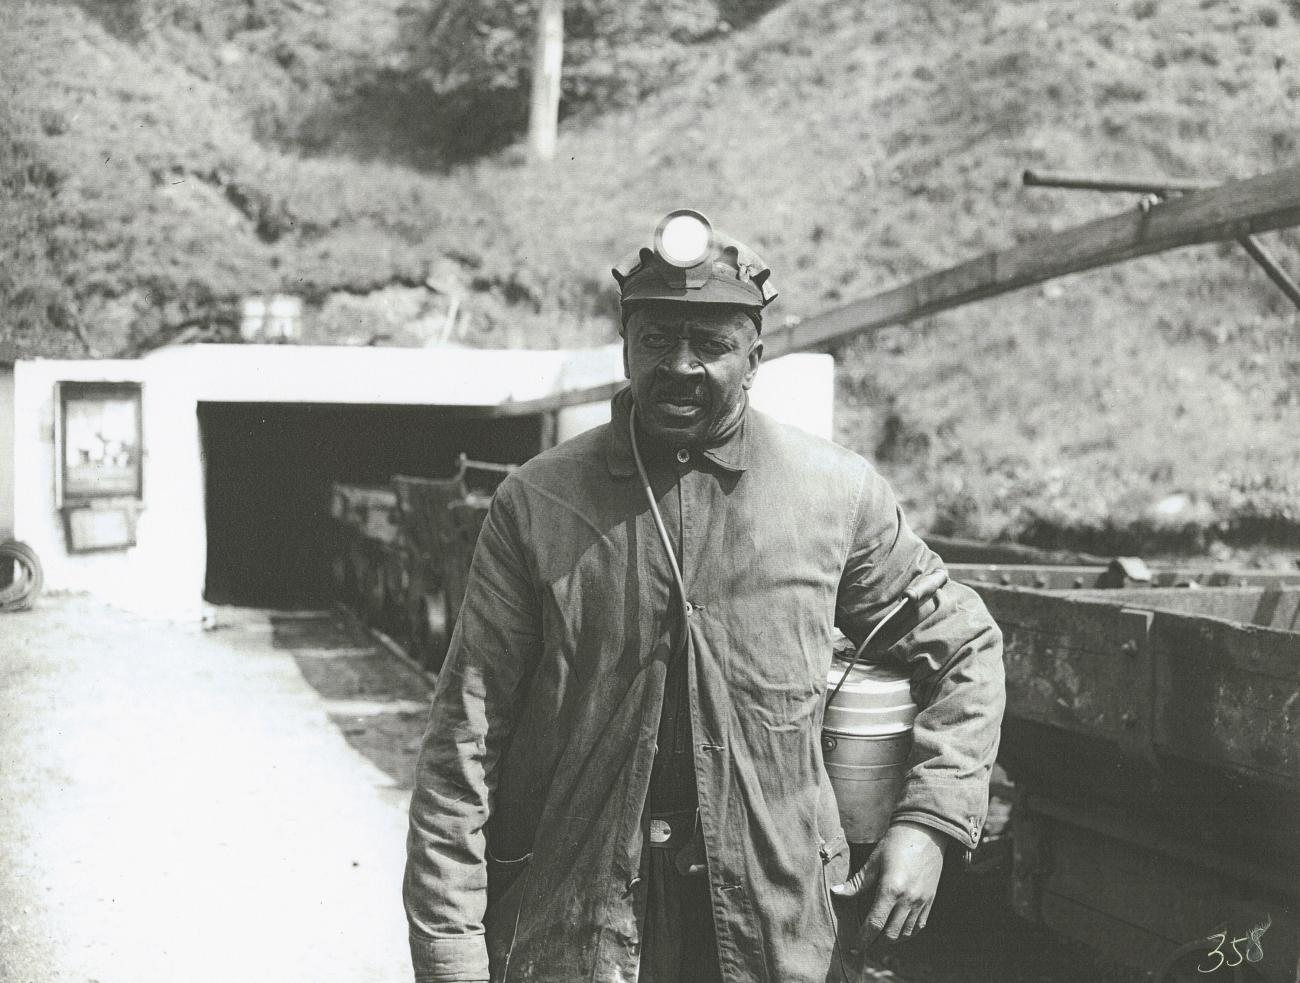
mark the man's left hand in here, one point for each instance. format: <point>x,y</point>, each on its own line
<point>904,870</point>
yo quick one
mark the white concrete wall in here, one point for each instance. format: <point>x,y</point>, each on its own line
<point>393,376</point>
<point>595,367</point>
<point>164,573</point>
<point>6,452</point>
<point>37,520</point>
<point>797,389</point>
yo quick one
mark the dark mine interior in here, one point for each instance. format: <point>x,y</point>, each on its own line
<point>269,468</point>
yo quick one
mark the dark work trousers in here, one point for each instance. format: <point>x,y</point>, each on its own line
<point>678,944</point>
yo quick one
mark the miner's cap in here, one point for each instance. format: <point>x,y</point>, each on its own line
<point>691,262</point>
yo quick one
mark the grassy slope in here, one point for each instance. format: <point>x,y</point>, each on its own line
<point>147,206</point>
<point>860,146</point>
<point>856,146</point>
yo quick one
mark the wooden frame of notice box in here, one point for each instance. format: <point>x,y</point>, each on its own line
<point>99,463</point>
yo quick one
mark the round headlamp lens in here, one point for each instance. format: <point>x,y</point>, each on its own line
<point>684,238</point>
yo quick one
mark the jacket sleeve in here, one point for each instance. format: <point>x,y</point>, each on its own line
<point>496,641</point>
<point>953,650</point>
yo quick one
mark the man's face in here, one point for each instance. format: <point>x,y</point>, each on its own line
<point>690,365</point>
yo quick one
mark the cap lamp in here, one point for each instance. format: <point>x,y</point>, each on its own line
<point>684,238</point>
<point>692,262</point>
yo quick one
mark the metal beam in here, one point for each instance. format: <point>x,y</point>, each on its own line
<point>1111,182</point>
<point>1269,264</point>
<point>1226,212</point>
<point>1162,189</point>
<point>1229,211</point>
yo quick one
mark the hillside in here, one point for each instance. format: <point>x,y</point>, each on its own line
<point>157,182</point>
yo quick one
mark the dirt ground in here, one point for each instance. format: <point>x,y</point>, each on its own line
<point>179,804</point>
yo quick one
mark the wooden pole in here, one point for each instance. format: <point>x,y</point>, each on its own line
<point>548,57</point>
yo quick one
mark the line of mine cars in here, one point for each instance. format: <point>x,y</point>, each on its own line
<point>1152,734</point>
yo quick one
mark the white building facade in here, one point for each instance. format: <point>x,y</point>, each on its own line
<point>167,516</point>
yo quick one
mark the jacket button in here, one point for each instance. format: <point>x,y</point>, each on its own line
<point>683,455</point>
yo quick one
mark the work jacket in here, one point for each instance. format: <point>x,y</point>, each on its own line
<point>527,846</point>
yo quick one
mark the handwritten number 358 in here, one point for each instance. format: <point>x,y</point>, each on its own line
<point>1254,951</point>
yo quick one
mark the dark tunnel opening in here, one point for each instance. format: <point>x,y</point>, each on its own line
<point>268,471</point>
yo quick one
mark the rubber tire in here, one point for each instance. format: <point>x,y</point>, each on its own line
<point>28,584</point>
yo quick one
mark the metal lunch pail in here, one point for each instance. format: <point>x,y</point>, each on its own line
<point>866,739</point>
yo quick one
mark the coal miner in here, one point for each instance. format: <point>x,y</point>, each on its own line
<point>623,776</point>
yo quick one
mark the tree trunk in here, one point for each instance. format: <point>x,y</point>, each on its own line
<point>544,109</point>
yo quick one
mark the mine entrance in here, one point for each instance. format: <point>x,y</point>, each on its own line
<point>269,468</point>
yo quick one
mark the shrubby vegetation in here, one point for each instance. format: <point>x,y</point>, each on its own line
<point>469,61</point>
<point>312,65</point>
<point>162,159</point>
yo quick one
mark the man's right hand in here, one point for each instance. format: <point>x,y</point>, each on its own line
<point>904,871</point>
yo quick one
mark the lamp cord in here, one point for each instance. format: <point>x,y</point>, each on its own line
<point>658,518</point>
<point>896,607</point>
<point>857,656</point>
<point>919,591</point>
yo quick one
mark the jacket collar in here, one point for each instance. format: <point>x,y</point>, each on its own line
<point>735,454</point>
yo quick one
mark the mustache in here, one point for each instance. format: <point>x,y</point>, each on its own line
<point>689,394</point>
